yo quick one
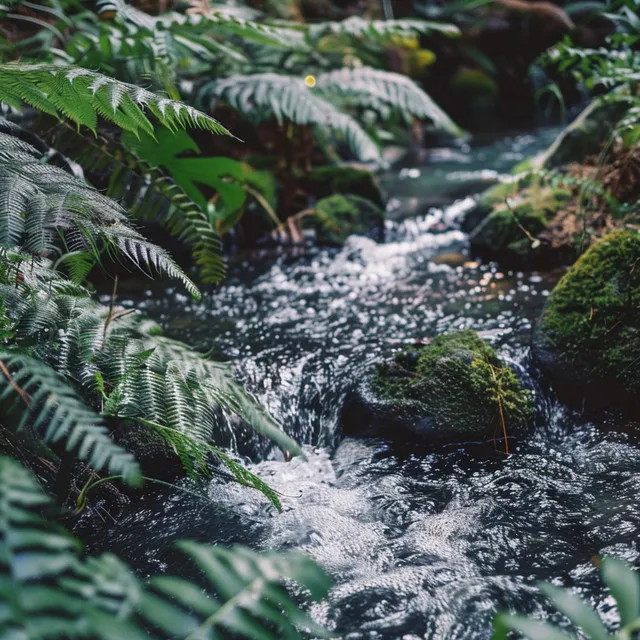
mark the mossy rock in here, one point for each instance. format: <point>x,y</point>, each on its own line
<point>475,86</point>
<point>327,181</point>
<point>588,338</point>
<point>497,193</point>
<point>491,197</point>
<point>509,233</point>
<point>586,134</point>
<point>340,216</point>
<point>452,390</point>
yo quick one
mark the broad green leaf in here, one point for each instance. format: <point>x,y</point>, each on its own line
<point>624,585</point>
<point>578,611</point>
<point>228,177</point>
<point>531,629</point>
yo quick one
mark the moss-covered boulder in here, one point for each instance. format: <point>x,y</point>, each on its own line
<point>454,389</point>
<point>510,232</point>
<point>339,216</point>
<point>588,338</point>
<point>327,181</point>
<point>497,193</point>
<point>486,202</point>
<point>475,87</point>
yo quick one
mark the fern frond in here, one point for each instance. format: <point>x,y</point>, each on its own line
<point>373,30</point>
<point>82,96</point>
<point>387,88</point>
<point>214,23</point>
<point>244,592</point>
<point>45,210</point>
<point>194,455</point>
<point>49,590</point>
<point>56,411</point>
<point>244,477</point>
<point>180,389</point>
<point>30,555</point>
<point>147,375</point>
<point>264,95</point>
<point>148,194</point>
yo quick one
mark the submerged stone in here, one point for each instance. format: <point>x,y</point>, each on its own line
<point>454,389</point>
<point>339,216</point>
<point>510,232</point>
<point>588,338</point>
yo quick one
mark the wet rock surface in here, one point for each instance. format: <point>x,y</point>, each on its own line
<point>588,338</point>
<point>510,232</point>
<point>454,389</point>
<point>337,217</point>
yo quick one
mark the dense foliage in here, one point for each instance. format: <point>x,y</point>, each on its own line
<point>115,123</point>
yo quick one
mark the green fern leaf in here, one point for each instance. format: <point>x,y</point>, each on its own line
<point>391,89</point>
<point>81,96</point>
<point>246,595</point>
<point>149,376</point>
<point>374,30</point>
<point>48,590</point>
<point>43,207</point>
<point>149,194</point>
<point>265,95</point>
<point>55,409</point>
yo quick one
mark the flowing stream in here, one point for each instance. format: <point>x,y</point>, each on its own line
<point>421,544</point>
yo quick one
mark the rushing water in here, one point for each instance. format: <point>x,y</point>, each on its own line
<point>421,544</point>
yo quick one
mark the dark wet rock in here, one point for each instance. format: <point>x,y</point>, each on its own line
<point>452,390</point>
<point>510,232</point>
<point>157,458</point>
<point>588,338</point>
<point>339,216</point>
<point>586,134</point>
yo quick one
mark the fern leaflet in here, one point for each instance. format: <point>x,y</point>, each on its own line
<point>81,95</point>
<point>57,412</point>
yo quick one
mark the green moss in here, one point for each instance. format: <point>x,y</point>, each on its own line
<point>592,319</point>
<point>503,231</point>
<point>326,181</point>
<point>458,383</point>
<point>497,193</point>
<point>474,85</point>
<point>337,217</point>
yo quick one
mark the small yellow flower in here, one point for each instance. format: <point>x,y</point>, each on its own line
<point>310,81</point>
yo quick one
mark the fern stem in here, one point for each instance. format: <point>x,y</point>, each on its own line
<point>264,203</point>
<point>21,392</point>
